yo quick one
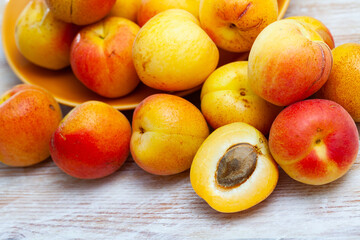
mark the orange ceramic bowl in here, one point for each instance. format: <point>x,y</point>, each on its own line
<point>63,84</point>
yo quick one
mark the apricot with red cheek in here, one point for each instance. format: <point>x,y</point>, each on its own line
<point>101,57</point>
<point>28,117</point>
<point>288,62</point>
<point>314,141</point>
<point>92,141</point>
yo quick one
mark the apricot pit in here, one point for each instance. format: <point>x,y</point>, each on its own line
<point>236,165</point>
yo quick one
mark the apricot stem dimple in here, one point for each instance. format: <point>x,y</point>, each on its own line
<point>232,25</point>
<point>142,130</point>
<point>236,166</point>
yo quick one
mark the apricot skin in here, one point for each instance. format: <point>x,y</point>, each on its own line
<point>101,57</point>
<point>41,38</point>
<point>28,117</point>
<point>226,97</point>
<point>288,62</point>
<point>167,132</point>
<point>92,141</point>
<point>314,141</point>
<point>343,85</point>
<point>234,24</point>
<point>319,27</point>
<point>80,12</point>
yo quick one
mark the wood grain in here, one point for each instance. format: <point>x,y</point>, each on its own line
<point>41,202</point>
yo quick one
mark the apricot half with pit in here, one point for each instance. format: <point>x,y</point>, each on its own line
<point>233,169</point>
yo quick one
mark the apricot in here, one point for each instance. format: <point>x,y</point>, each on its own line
<point>80,12</point>
<point>92,141</point>
<point>126,8</point>
<point>149,8</point>
<point>234,24</point>
<point>233,169</point>
<point>28,117</point>
<point>101,57</point>
<point>167,132</point>
<point>314,141</point>
<point>41,38</point>
<point>172,53</point>
<point>226,97</point>
<point>319,27</point>
<point>343,85</point>
<point>288,62</point>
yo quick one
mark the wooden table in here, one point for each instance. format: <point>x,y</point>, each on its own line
<point>41,202</point>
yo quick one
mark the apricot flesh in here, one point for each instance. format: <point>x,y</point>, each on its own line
<point>233,169</point>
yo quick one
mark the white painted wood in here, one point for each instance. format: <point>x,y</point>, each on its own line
<point>41,202</point>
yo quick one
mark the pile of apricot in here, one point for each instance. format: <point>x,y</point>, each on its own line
<point>315,141</point>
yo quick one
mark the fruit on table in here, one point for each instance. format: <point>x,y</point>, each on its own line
<point>233,25</point>
<point>92,141</point>
<point>167,132</point>
<point>149,8</point>
<point>288,62</point>
<point>319,27</point>
<point>101,57</point>
<point>343,85</point>
<point>126,9</point>
<point>80,12</point>
<point>314,141</point>
<point>28,117</point>
<point>172,53</point>
<point>41,38</point>
<point>233,169</point>
<point>226,97</point>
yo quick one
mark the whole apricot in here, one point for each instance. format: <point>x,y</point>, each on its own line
<point>343,85</point>
<point>28,117</point>
<point>41,38</point>
<point>167,132</point>
<point>226,97</point>
<point>314,141</point>
<point>172,53</point>
<point>288,62</point>
<point>92,141</point>
<point>101,57</point>
<point>234,24</point>
<point>80,12</point>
